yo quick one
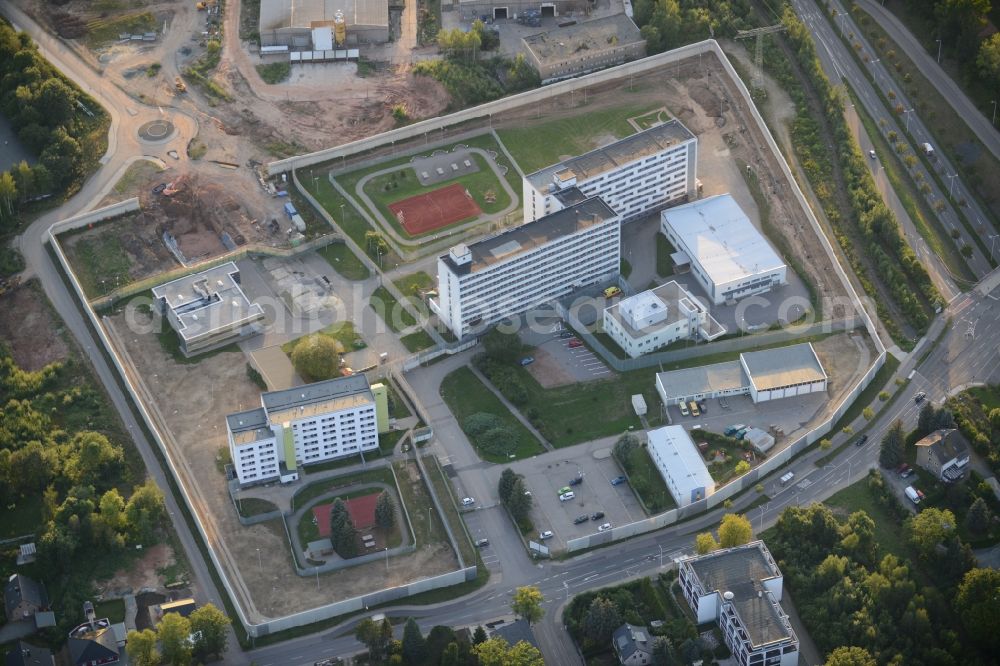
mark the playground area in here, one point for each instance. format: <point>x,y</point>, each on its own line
<point>433,210</point>
<point>361,510</point>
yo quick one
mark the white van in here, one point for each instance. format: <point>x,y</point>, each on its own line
<point>912,494</point>
<point>787,478</point>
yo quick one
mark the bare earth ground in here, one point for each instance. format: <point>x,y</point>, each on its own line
<point>142,575</point>
<point>139,235</point>
<point>191,400</point>
<point>33,334</point>
<point>845,357</point>
<point>549,372</point>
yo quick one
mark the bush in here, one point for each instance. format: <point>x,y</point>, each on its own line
<point>316,358</point>
<point>274,72</point>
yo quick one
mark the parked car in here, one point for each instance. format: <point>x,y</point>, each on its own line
<point>547,534</point>
<point>564,490</point>
<point>733,429</point>
<point>919,397</point>
<point>611,292</point>
<point>604,528</point>
<point>565,497</point>
<point>565,334</point>
<point>684,408</point>
<point>468,501</point>
<point>861,440</point>
<point>693,406</point>
<point>482,543</point>
<point>871,154</point>
<point>618,480</point>
<point>574,343</point>
<point>597,515</point>
<point>581,519</point>
<point>575,481</point>
<point>527,360</point>
<point>701,406</point>
<point>159,188</point>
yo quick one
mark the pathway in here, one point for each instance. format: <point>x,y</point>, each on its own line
<point>511,408</point>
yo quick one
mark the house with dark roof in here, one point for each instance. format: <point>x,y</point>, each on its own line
<point>93,643</point>
<point>23,597</point>
<point>633,645</point>
<point>25,654</point>
<point>945,454</point>
<point>515,632</point>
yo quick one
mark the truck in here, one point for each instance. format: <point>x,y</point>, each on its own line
<point>290,210</point>
<point>928,149</point>
<point>912,494</point>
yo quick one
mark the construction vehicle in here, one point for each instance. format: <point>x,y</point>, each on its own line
<point>201,6</point>
<point>179,85</point>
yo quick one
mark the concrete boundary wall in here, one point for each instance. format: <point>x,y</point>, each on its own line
<point>271,625</point>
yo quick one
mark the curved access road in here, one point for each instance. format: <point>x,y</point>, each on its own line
<point>927,65</point>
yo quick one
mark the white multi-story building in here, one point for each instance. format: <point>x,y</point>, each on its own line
<point>485,282</point>
<point>636,175</point>
<point>680,464</point>
<point>729,257</point>
<point>740,588</point>
<point>655,318</point>
<point>305,425</point>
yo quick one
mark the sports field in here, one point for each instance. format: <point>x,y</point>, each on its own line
<point>433,210</point>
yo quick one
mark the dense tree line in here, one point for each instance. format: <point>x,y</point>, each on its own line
<point>171,642</point>
<point>78,476</point>
<point>441,647</point>
<point>515,498</point>
<point>668,24</point>
<point>862,605</point>
<point>50,116</point>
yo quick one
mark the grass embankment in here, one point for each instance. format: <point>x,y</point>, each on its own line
<point>100,31</point>
<point>340,257</point>
<point>448,504</point>
<point>466,395</point>
<point>646,481</point>
<point>274,72</point>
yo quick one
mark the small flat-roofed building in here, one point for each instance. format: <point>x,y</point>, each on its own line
<point>304,425</point>
<point>730,258</point>
<point>487,281</point>
<point>208,309</point>
<point>740,588</point>
<point>680,464</point>
<point>770,374</point>
<point>563,53</point>
<point>783,372</point>
<point>945,454</point>
<point>636,175</point>
<point>655,318</point>
<point>292,22</point>
<point>520,9</point>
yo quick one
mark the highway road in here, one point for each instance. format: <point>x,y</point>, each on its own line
<point>840,67</point>
<point>977,120</point>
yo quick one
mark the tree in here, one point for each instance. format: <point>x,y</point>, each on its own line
<point>375,243</point>
<point>520,502</point>
<point>825,444</point>
<point>479,635</point>
<point>850,656</point>
<point>943,419</point>
<point>210,624</point>
<point>316,357</point>
<point>601,620</point>
<point>58,100</point>
<point>742,467</point>
<point>929,528</point>
<point>342,532</point>
<point>661,652</point>
<point>61,155</point>
<point>414,645</point>
<point>705,543</point>
<point>925,420</point>
<point>891,450</point>
<point>375,636</point>
<point>979,517</point>
<point>8,195</point>
<point>385,510</point>
<point>988,61</point>
<point>506,486</point>
<point>173,632</point>
<point>144,512</point>
<point>528,603</point>
<point>450,655</point>
<point>95,461</point>
<point>497,652</point>
<point>502,347</point>
<point>438,640</point>
<point>978,604</point>
<point>868,413</point>
<point>734,530</point>
<point>141,648</point>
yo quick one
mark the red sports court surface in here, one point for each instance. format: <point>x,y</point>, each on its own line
<point>436,209</point>
<point>361,509</point>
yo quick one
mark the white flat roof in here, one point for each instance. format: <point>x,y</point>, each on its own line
<point>728,375</point>
<point>721,238</point>
<point>278,14</point>
<point>208,301</point>
<point>783,366</point>
<point>678,452</point>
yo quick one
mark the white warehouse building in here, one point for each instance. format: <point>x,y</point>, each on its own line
<point>680,464</point>
<point>635,175</point>
<point>729,257</point>
<point>655,318</point>
<point>769,374</point>
<point>306,425</point>
<point>740,588</point>
<point>488,281</point>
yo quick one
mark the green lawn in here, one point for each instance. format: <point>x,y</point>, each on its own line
<point>888,530</point>
<point>543,144</point>
<point>722,472</point>
<point>388,308</point>
<point>487,142</point>
<point>989,397</point>
<point>314,490</point>
<point>101,264</point>
<point>112,609</point>
<point>465,395</point>
<point>418,502</point>
<point>253,506</point>
<point>442,488</point>
<point>647,482</point>
<point>415,282</point>
<point>418,341</point>
<point>397,407</point>
<point>342,333</point>
<point>340,257</point>
<point>664,264</point>
<point>24,516</point>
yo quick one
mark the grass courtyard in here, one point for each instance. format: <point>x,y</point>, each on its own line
<point>342,333</point>
<point>342,260</point>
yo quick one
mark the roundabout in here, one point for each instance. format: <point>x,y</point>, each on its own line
<point>156,131</point>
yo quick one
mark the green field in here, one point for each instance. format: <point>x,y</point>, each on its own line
<point>417,341</point>
<point>465,395</point>
<point>647,482</point>
<point>888,530</point>
<point>340,257</point>
<point>541,145</point>
<point>389,309</point>
<point>414,283</point>
<point>100,263</point>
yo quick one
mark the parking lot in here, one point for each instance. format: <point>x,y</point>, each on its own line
<point>556,361</point>
<point>546,474</point>
<point>789,414</point>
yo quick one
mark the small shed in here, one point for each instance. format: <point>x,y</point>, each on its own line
<point>639,404</point>
<point>760,440</point>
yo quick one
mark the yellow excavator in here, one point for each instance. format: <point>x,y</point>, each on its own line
<point>179,85</point>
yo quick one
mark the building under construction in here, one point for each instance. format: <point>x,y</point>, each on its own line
<point>321,25</point>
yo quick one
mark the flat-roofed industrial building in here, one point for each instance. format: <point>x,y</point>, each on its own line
<point>563,53</point>
<point>729,257</point>
<point>680,464</point>
<point>208,309</point>
<point>312,24</point>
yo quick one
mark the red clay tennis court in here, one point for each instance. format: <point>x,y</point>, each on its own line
<point>361,509</point>
<point>426,212</point>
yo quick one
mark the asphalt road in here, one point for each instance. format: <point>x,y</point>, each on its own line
<point>977,120</point>
<point>840,67</point>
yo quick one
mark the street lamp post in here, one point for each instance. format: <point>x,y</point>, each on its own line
<point>260,563</point>
<point>387,558</point>
<point>908,112</point>
<point>994,103</point>
<point>951,185</point>
<point>939,50</point>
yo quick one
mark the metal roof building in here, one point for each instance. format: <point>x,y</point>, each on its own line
<point>730,258</point>
<point>589,46</point>
<point>290,22</point>
<point>680,464</point>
